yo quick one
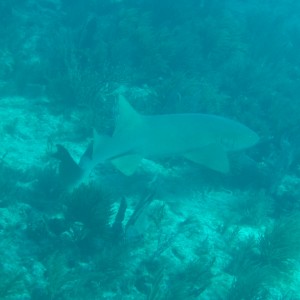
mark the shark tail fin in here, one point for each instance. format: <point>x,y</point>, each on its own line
<point>69,171</point>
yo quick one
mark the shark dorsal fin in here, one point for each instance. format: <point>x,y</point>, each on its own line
<point>127,118</point>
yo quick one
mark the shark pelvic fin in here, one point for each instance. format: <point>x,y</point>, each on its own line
<point>211,156</point>
<point>99,142</point>
<point>127,164</point>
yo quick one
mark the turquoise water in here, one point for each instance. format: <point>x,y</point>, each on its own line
<point>173,228</point>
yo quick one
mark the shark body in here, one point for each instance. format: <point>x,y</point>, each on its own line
<point>202,138</point>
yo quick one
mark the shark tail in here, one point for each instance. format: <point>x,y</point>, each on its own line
<point>70,173</point>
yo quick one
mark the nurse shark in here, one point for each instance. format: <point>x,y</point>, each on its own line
<point>204,139</point>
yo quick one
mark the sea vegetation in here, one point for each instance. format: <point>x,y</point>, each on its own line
<point>250,207</point>
<point>88,214</point>
<point>279,245</point>
<point>57,275</point>
<point>13,281</point>
<point>12,284</point>
<point>249,286</point>
<point>259,262</point>
<point>8,177</point>
<point>192,280</point>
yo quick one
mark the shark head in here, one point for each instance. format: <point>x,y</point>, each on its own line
<point>236,136</point>
<point>248,139</point>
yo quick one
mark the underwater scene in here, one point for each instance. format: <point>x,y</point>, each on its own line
<point>150,150</point>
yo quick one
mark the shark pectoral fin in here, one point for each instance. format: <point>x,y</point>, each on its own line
<point>211,156</point>
<point>127,164</point>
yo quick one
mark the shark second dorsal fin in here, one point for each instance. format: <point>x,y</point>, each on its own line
<point>86,158</point>
<point>127,117</point>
